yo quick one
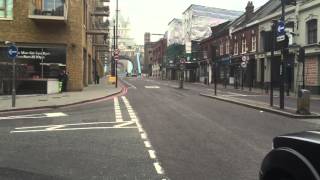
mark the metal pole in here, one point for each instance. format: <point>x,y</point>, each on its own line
<point>113,62</point>
<point>282,70</point>
<point>303,75</point>
<point>116,69</point>
<point>242,78</point>
<point>14,82</point>
<point>271,61</point>
<point>215,78</point>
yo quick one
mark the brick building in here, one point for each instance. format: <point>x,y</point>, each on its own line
<point>53,36</point>
<point>159,51</point>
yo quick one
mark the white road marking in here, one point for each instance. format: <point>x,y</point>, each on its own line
<point>143,135</point>
<point>147,144</point>
<point>152,87</point>
<point>117,110</point>
<point>158,168</point>
<point>152,154</point>
<point>35,116</point>
<point>67,127</point>
<point>55,127</point>
<point>124,124</point>
<point>58,114</point>
<point>131,85</point>
<point>71,129</point>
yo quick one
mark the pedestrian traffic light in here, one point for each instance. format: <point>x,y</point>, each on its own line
<point>301,56</point>
<point>289,2</point>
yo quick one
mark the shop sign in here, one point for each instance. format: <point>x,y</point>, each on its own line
<point>31,54</point>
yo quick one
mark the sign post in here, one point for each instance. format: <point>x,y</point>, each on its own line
<point>12,53</point>
<point>116,58</point>
<point>182,68</point>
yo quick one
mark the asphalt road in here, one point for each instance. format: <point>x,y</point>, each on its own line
<point>155,132</point>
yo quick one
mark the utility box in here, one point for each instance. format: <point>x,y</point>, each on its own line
<point>303,102</point>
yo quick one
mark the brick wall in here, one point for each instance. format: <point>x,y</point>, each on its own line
<point>72,34</point>
<point>312,71</point>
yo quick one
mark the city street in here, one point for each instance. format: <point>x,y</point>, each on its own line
<point>155,131</point>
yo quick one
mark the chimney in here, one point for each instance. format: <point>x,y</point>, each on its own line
<point>249,10</point>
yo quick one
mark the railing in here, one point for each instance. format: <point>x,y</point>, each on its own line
<point>37,11</point>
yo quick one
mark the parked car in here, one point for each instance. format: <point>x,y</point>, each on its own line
<point>294,157</point>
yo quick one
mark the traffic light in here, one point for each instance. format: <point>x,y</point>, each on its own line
<point>302,55</point>
<point>289,2</point>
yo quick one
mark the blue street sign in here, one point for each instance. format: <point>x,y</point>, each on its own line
<point>281,28</point>
<point>281,31</point>
<point>12,52</point>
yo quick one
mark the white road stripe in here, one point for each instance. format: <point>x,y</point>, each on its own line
<point>36,116</point>
<point>158,168</point>
<point>77,124</point>
<point>71,129</point>
<point>147,144</point>
<point>152,154</point>
<point>143,135</point>
<point>117,110</point>
<point>131,85</point>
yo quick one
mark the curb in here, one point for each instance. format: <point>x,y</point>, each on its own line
<point>63,105</point>
<point>267,109</point>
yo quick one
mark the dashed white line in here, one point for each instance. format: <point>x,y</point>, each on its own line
<point>158,168</point>
<point>144,137</point>
<point>147,144</point>
<point>152,154</point>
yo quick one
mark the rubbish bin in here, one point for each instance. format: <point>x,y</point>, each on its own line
<point>303,102</point>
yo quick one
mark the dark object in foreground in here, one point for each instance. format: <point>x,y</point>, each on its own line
<point>294,157</point>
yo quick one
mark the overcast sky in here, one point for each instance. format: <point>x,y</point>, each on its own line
<point>154,15</point>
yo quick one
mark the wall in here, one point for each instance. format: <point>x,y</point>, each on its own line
<point>25,30</point>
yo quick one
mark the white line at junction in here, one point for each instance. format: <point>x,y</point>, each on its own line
<point>36,116</point>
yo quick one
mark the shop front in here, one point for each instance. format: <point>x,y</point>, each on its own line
<point>37,68</point>
<point>223,69</point>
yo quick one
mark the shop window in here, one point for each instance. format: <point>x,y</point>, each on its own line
<point>6,9</point>
<point>312,31</point>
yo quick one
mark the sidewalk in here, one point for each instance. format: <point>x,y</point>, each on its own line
<point>90,93</point>
<point>258,99</point>
<point>256,90</point>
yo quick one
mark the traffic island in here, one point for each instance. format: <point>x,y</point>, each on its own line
<point>288,112</point>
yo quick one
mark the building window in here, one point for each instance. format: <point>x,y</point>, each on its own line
<point>50,5</point>
<point>228,47</point>
<point>236,48</point>
<point>244,45</point>
<point>221,48</point>
<point>6,9</point>
<point>254,43</point>
<point>312,31</point>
